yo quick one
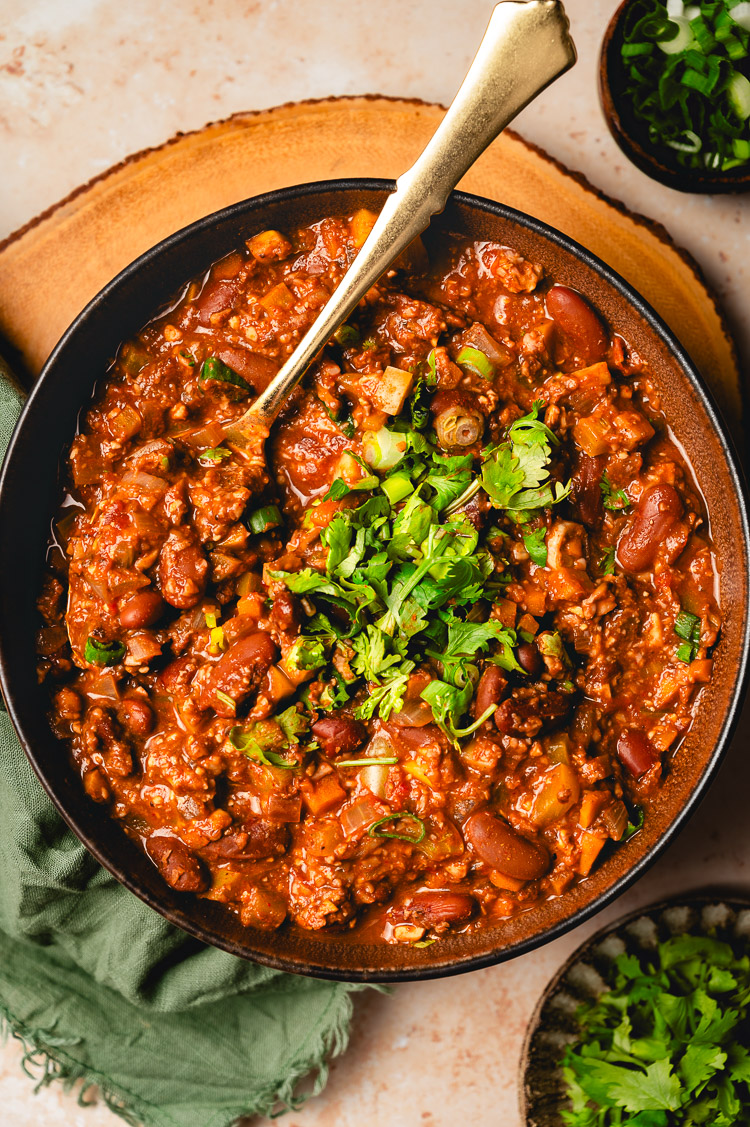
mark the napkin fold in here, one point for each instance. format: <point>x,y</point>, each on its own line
<point>101,989</point>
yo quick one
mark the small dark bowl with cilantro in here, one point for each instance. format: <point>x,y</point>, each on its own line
<point>675,90</point>
<point>647,1024</point>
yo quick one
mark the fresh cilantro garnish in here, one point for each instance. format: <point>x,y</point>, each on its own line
<point>607,562</point>
<point>515,472</point>
<point>616,500</point>
<point>403,567</point>
<point>666,1044</point>
<point>536,546</point>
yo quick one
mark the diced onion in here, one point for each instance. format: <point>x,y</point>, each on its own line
<point>375,778</point>
<point>361,814</point>
<point>413,714</point>
<point>147,481</point>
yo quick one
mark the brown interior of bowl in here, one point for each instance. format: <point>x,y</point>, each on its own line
<point>692,417</point>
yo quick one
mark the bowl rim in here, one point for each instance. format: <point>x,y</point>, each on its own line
<point>291,195</point>
<point>736,899</point>
<point>681,180</point>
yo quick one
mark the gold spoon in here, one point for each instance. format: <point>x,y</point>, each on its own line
<point>525,47</point>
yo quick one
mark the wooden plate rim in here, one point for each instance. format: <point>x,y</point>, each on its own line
<point>655,228</point>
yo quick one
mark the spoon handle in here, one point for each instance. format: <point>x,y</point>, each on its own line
<point>525,47</point>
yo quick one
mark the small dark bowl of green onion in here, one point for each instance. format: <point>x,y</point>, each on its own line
<point>675,90</point>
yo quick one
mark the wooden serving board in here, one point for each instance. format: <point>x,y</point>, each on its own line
<point>52,267</point>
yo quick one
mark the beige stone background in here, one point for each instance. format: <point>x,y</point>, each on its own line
<point>83,83</point>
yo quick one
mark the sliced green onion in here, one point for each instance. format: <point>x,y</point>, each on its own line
<point>691,145</point>
<point>383,449</point>
<point>346,335</point>
<point>397,487</point>
<point>738,93</point>
<point>680,40</point>
<point>686,624</point>
<point>225,698</point>
<point>373,831</point>
<point>216,370</point>
<point>475,361</point>
<point>213,456</point>
<point>245,743</point>
<point>685,653</point>
<point>431,376</point>
<point>103,653</point>
<point>386,761</point>
<point>423,942</point>
<point>262,520</point>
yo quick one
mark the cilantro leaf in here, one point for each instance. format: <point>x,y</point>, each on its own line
<point>515,473</point>
<point>536,546</point>
<point>616,500</point>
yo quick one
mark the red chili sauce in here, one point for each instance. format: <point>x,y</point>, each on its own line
<point>429,650</point>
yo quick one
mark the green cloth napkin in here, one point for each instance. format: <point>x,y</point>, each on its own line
<point>101,988</point>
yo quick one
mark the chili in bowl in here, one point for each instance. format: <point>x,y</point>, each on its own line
<point>433,677</point>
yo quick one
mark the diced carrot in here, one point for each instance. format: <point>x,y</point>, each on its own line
<point>535,601</point>
<point>252,603</point>
<point>418,772</point>
<point>591,846</point>
<point>278,297</point>
<point>362,223</point>
<point>323,795</point>
<point>268,245</point>
<point>671,681</point>
<point>594,375</point>
<point>591,805</point>
<point>701,670</point>
<point>504,612</point>
<point>563,584</point>
<point>528,624</point>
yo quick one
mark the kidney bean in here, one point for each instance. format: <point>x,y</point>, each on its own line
<point>658,509</point>
<point>529,715</point>
<point>286,612</point>
<point>136,716</point>
<point>492,685</point>
<point>256,369</point>
<point>339,734</point>
<point>500,846</point>
<point>257,839</point>
<point>216,295</point>
<point>582,327</point>
<point>180,869</point>
<point>177,675</point>
<point>586,488</point>
<point>235,674</point>
<point>142,609</point>
<point>183,571</point>
<point>636,751</point>
<point>431,908</point>
<point>529,658</point>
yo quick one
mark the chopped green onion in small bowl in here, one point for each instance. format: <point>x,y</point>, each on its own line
<point>675,89</point>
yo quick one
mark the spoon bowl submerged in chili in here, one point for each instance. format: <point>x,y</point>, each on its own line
<point>389,687</point>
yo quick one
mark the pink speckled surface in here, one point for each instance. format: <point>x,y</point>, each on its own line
<point>83,83</point>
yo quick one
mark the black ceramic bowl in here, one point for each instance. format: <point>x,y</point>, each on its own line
<point>29,496</point>
<point>632,137</point>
